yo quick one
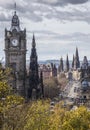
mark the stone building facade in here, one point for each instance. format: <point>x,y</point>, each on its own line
<point>15,58</point>
<point>49,70</point>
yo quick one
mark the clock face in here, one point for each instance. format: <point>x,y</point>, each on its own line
<point>14,42</point>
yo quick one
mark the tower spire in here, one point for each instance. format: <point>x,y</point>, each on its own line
<point>73,61</point>
<point>67,64</point>
<point>15,24</point>
<point>76,60</point>
<point>61,65</point>
<point>33,41</point>
<point>76,51</point>
<point>15,8</point>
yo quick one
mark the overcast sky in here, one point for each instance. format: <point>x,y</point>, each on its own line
<point>59,26</point>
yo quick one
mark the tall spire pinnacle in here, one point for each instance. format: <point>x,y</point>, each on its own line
<point>33,41</point>
<point>67,63</point>
<point>15,8</point>
<point>77,52</point>
<point>73,62</point>
<point>76,60</point>
<point>61,65</point>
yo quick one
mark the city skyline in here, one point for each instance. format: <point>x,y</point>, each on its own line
<point>59,26</point>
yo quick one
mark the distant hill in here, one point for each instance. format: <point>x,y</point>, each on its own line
<point>56,62</point>
<point>49,61</point>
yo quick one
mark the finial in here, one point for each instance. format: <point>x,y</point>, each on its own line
<point>15,8</point>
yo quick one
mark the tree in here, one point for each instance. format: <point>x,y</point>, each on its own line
<point>7,98</point>
<point>37,115</point>
<point>77,120</point>
<point>62,80</point>
<point>51,87</point>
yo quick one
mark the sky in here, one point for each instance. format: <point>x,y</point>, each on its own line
<point>59,26</point>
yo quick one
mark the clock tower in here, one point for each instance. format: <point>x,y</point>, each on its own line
<point>15,54</point>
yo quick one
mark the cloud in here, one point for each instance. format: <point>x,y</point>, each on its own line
<point>37,10</point>
<point>62,2</point>
<point>4,18</point>
<point>48,37</point>
<point>49,18</point>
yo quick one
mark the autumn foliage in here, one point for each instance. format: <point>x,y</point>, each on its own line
<point>38,115</point>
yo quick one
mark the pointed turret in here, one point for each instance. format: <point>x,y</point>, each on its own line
<point>33,50</point>
<point>76,60</point>
<point>77,55</point>
<point>73,62</point>
<point>33,42</point>
<point>67,64</point>
<point>76,51</point>
<point>61,67</point>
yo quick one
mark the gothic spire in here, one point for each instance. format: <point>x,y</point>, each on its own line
<point>67,63</point>
<point>33,50</point>
<point>33,70</point>
<point>15,8</point>
<point>73,62</point>
<point>33,42</point>
<point>76,60</point>
<point>77,53</point>
<point>61,68</point>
